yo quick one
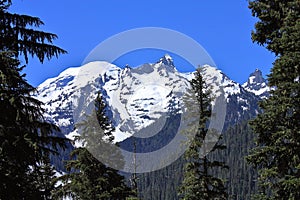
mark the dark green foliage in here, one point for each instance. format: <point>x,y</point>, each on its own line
<point>241,177</point>
<point>17,37</point>
<point>199,182</point>
<point>89,177</point>
<point>44,178</point>
<point>26,139</point>
<point>277,155</point>
<point>161,184</point>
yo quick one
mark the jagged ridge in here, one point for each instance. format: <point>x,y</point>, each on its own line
<point>138,96</point>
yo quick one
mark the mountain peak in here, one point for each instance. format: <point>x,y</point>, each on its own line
<point>167,60</point>
<point>256,77</point>
<point>257,84</point>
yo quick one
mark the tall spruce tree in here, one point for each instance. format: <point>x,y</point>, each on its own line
<point>199,182</point>
<point>89,178</point>
<point>19,35</point>
<point>277,155</point>
<point>26,139</point>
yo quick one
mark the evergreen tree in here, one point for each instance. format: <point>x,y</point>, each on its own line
<point>133,178</point>
<point>89,178</point>
<point>199,181</point>
<point>26,139</point>
<point>18,36</point>
<point>277,155</point>
<point>44,178</point>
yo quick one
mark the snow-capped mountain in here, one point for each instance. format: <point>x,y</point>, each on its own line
<point>257,84</point>
<point>137,97</point>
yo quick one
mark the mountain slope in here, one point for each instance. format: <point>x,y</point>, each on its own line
<point>257,84</point>
<point>136,96</point>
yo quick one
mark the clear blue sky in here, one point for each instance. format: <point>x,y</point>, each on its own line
<point>223,28</point>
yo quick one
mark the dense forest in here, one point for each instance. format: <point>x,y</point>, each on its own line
<point>257,156</point>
